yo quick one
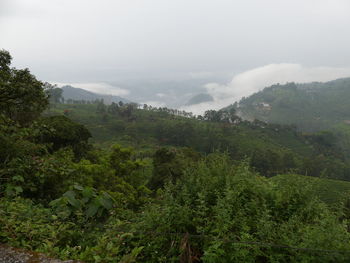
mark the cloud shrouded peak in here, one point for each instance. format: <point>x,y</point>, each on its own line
<point>100,88</point>
<point>251,81</point>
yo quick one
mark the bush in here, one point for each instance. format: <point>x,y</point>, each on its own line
<point>222,213</point>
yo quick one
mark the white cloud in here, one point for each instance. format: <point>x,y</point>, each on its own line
<point>98,87</point>
<point>251,81</point>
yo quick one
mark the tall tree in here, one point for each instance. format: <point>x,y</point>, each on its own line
<point>22,96</point>
<point>55,93</point>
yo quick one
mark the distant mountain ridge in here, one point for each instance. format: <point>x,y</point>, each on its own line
<point>72,93</point>
<point>310,106</point>
<point>200,98</point>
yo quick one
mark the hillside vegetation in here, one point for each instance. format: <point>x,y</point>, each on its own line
<point>311,106</point>
<point>332,192</point>
<point>117,183</point>
<point>271,148</point>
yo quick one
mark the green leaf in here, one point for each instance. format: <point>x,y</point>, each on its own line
<point>78,187</point>
<point>69,194</point>
<point>55,202</point>
<point>71,199</point>
<point>106,202</point>
<point>88,192</point>
<point>85,200</point>
<point>92,210</point>
<point>97,258</point>
<point>18,178</point>
<point>74,202</point>
<point>18,189</point>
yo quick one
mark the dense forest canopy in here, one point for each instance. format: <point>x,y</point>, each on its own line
<point>130,183</point>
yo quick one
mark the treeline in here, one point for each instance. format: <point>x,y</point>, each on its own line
<point>271,148</point>
<point>55,95</point>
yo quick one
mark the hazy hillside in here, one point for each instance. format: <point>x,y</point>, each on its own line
<point>311,106</point>
<point>72,93</point>
<point>199,98</point>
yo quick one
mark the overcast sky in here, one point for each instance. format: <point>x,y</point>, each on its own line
<point>103,40</point>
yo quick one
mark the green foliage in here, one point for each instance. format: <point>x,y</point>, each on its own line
<point>26,168</point>
<point>54,93</point>
<point>121,161</point>
<point>60,132</point>
<point>332,192</point>
<point>22,96</point>
<point>169,164</point>
<point>34,227</point>
<point>61,196</point>
<point>83,201</point>
<point>311,106</point>
<point>24,224</point>
<point>39,177</point>
<point>272,148</point>
<point>101,108</point>
<point>231,213</point>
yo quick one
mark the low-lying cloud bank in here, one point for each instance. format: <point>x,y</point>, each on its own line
<point>251,81</point>
<point>100,88</point>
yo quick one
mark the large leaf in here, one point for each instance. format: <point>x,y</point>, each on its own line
<point>71,199</point>
<point>92,209</point>
<point>88,192</point>
<point>106,201</point>
<point>78,187</point>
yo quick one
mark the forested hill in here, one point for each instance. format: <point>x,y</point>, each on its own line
<point>311,106</point>
<point>270,148</point>
<point>71,94</point>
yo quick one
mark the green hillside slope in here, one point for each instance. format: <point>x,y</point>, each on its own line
<point>312,106</point>
<point>270,148</point>
<point>329,191</point>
